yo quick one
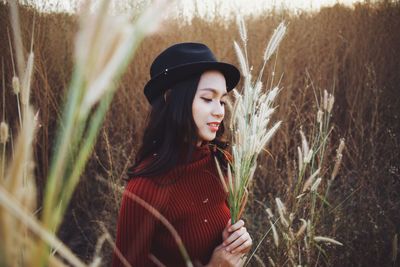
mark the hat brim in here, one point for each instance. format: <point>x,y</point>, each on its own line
<point>159,83</point>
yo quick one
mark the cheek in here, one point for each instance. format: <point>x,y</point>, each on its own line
<point>198,111</point>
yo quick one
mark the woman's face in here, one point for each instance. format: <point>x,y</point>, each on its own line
<point>209,105</point>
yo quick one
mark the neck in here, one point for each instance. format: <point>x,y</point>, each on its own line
<point>200,143</point>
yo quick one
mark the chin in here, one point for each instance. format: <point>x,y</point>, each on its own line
<point>208,138</point>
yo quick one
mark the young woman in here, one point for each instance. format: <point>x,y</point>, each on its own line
<point>175,170</point>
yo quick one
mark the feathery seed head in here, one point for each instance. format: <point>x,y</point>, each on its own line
<point>302,228</point>
<point>274,234</point>
<point>242,29</point>
<point>275,41</point>
<point>242,60</point>
<point>304,144</point>
<point>3,132</point>
<point>327,240</point>
<point>272,94</point>
<point>325,100</point>
<point>300,158</point>
<point>331,100</point>
<point>316,184</point>
<point>282,212</point>
<point>291,217</point>
<point>320,113</point>
<point>310,180</point>
<point>269,212</point>
<point>104,44</point>
<point>341,146</point>
<point>308,157</point>
<point>15,85</point>
<point>338,161</point>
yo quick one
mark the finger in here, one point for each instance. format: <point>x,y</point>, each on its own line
<point>238,242</point>
<point>225,232</point>
<point>236,226</point>
<point>235,235</point>
<point>244,247</point>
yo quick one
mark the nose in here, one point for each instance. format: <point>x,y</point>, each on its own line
<point>218,110</point>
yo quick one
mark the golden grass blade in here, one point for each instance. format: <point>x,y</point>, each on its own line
<point>15,85</point>
<point>339,156</point>
<point>23,153</point>
<point>259,260</point>
<point>310,181</point>
<point>26,81</point>
<point>271,262</point>
<point>6,200</point>
<point>300,159</point>
<point>304,146</point>
<point>114,247</point>
<point>243,202</point>
<point>282,212</point>
<point>325,100</point>
<point>316,184</point>
<point>221,176</point>
<point>4,132</point>
<point>327,240</point>
<point>274,234</point>
<point>302,229</point>
<point>269,212</point>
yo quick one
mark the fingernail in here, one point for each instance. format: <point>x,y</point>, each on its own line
<point>227,249</point>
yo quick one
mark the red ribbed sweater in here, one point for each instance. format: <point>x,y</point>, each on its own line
<point>191,198</point>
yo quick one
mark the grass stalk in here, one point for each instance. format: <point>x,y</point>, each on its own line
<point>6,200</point>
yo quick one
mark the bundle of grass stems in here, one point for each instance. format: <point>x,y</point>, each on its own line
<point>295,222</point>
<point>104,46</point>
<point>250,123</point>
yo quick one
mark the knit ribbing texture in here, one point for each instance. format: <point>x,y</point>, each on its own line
<point>191,198</point>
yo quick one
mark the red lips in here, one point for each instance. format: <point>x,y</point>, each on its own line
<point>214,126</point>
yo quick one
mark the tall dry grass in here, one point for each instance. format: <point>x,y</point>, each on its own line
<point>100,57</point>
<point>353,53</point>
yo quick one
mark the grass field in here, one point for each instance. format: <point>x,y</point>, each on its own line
<point>353,53</point>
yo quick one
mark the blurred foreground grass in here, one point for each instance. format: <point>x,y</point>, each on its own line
<point>352,53</point>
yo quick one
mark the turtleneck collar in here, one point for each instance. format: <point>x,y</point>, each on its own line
<point>198,153</point>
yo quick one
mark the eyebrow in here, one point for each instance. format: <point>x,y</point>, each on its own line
<point>214,91</point>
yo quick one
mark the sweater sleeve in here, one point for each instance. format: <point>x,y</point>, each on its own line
<point>136,225</point>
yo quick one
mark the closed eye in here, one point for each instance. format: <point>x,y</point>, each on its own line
<point>223,103</point>
<point>206,99</point>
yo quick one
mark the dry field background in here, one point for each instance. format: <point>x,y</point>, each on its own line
<point>352,53</point>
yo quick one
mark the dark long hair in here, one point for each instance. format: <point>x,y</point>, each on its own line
<point>171,131</point>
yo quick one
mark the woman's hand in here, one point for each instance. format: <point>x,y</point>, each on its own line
<point>235,238</point>
<point>236,243</point>
<point>223,258</point>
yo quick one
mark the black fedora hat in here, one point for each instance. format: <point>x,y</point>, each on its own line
<point>182,60</point>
